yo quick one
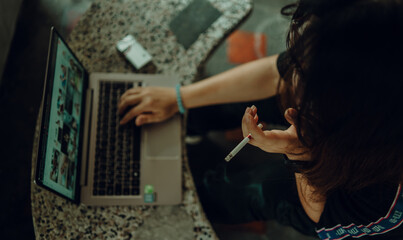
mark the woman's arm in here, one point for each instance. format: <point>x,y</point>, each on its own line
<point>285,142</point>
<point>251,81</point>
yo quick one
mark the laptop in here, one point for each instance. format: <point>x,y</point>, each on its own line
<point>85,156</point>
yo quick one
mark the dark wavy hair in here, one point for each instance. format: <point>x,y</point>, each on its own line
<point>345,79</point>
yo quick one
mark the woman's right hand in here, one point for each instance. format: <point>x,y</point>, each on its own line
<point>147,105</point>
<point>275,141</point>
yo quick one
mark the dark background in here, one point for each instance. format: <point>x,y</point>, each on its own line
<point>20,96</point>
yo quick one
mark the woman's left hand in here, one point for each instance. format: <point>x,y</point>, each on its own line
<point>274,141</point>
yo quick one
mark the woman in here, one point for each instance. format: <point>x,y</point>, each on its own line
<point>340,86</point>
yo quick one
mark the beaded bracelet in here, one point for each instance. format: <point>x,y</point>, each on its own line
<point>179,99</point>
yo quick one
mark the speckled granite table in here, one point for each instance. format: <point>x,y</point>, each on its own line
<point>93,41</point>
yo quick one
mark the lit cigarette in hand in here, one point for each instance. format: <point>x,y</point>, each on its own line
<point>240,145</point>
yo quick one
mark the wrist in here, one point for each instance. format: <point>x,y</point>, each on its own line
<point>298,154</point>
<point>296,165</point>
<point>297,157</point>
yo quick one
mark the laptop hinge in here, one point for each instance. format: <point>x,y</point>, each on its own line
<point>86,137</point>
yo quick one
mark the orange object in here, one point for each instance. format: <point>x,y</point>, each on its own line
<point>245,47</point>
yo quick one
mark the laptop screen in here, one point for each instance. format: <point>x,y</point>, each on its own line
<point>59,150</point>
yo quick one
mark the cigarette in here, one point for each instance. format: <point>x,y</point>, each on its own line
<point>240,145</point>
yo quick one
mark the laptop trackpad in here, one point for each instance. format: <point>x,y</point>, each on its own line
<point>162,141</point>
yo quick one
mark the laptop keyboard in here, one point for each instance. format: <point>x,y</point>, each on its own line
<point>117,154</point>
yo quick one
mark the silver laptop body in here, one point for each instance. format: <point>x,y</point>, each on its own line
<point>160,149</point>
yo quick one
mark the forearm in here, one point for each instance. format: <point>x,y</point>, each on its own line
<point>252,81</point>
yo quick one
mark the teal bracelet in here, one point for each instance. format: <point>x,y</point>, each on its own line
<point>182,109</point>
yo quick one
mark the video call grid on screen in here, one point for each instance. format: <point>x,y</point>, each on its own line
<point>61,159</point>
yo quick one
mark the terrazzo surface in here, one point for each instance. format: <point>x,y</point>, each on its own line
<point>93,41</point>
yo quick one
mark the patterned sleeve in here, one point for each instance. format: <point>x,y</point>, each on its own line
<point>371,213</point>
